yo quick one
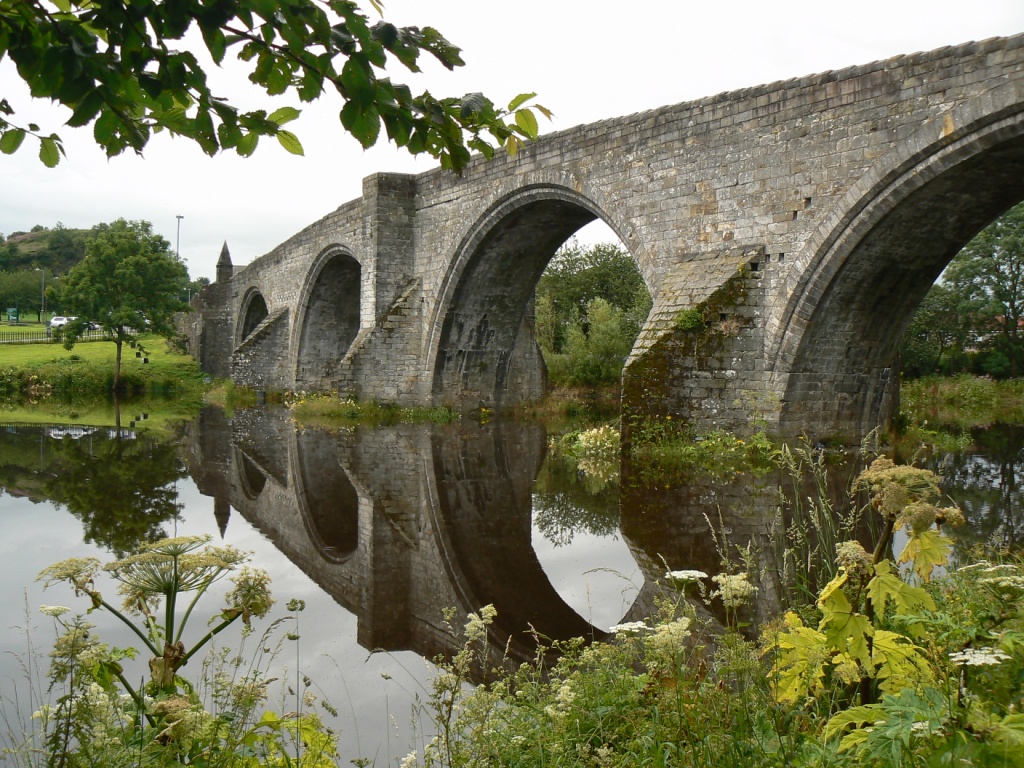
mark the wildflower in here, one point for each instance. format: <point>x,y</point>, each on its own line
<point>565,696</point>
<point>685,576</point>
<point>477,623</point>
<point>978,657</point>
<point>77,571</point>
<point>734,589</point>
<point>851,556</point>
<point>628,628</point>
<point>409,760</point>
<point>251,594</point>
<point>53,610</point>
<point>669,637</point>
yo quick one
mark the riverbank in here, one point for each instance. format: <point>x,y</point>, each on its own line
<point>38,372</point>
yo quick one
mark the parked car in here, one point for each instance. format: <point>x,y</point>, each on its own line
<point>60,321</point>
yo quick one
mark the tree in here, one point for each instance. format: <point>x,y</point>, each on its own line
<point>129,281</point>
<point>937,336</point>
<point>976,307</point>
<point>988,277</point>
<point>591,303</point>
<point>124,68</point>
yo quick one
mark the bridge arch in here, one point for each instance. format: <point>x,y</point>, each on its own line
<point>874,257</point>
<point>486,292</point>
<point>254,311</point>
<point>328,501</point>
<point>328,314</point>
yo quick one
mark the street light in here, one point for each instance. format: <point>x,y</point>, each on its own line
<point>42,292</point>
<point>177,248</point>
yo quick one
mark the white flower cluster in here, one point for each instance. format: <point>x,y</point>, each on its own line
<point>669,638</point>
<point>629,628</point>
<point>53,610</point>
<point>734,589</point>
<point>600,441</point>
<point>477,623</point>
<point>978,657</point>
<point>685,576</point>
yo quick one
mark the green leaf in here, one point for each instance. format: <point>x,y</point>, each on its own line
<point>899,662</point>
<point>925,551</point>
<point>365,126</point>
<point>284,115</point>
<point>472,104</point>
<point>247,144</point>
<point>49,152</point>
<point>289,141</point>
<point>11,140</point>
<point>887,587</point>
<point>527,123</point>
<point>519,100</point>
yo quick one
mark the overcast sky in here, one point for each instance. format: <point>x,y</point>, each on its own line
<point>586,60</point>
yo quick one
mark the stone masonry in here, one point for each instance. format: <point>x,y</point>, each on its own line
<point>786,232</point>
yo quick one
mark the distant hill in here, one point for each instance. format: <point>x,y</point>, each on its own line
<point>56,250</point>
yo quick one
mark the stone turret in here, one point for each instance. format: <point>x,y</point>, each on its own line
<point>225,269</point>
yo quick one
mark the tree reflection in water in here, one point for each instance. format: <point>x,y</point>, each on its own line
<point>121,489</point>
<point>984,484</point>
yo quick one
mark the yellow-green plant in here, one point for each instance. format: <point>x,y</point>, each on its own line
<point>886,654</point>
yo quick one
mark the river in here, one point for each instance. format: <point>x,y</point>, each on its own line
<point>382,531</point>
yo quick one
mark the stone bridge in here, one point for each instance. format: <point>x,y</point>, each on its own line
<point>786,233</point>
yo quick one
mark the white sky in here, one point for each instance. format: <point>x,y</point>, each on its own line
<point>586,60</point>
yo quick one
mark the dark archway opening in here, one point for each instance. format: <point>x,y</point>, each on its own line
<point>844,380</point>
<point>329,501</point>
<point>487,352</point>
<point>330,323</point>
<point>255,313</point>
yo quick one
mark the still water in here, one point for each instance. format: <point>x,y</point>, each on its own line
<point>382,531</point>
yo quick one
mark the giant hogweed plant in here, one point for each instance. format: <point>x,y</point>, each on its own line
<point>103,718</point>
<point>899,669</point>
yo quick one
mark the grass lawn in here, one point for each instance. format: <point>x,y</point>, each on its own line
<point>161,359</point>
<point>45,383</point>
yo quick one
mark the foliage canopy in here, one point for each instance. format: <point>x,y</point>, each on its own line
<point>973,318</point>
<point>130,281</point>
<point>126,69</point>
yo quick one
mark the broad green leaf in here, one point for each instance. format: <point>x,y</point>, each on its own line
<point>284,115</point>
<point>247,144</point>
<point>519,100</point>
<point>855,716</point>
<point>798,670</point>
<point>527,122</point>
<point>1010,730</point>
<point>290,142</point>
<point>472,104</point>
<point>888,587</point>
<point>925,551</point>
<point>364,125</point>
<point>49,152</point>
<point>11,140</point>
<point>899,662</point>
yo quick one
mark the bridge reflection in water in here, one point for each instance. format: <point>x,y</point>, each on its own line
<point>401,523</point>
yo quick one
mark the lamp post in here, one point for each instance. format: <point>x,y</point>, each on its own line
<point>177,247</point>
<point>42,292</point>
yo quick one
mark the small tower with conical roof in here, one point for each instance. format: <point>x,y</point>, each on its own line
<point>225,269</point>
